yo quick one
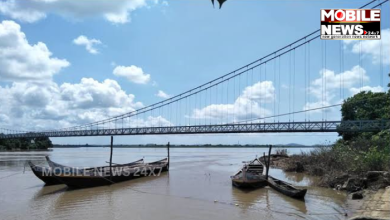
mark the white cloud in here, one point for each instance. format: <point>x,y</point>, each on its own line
<point>246,106</point>
<point>132,73</point>
<point>366,88</point>
<point>88,43</point>
<point>333,81</point>
<point>91,93</point>
<point>372,48</point>
<point>20,61</point>
<point>34,102</point>
<point>33,105</point>
<point>259,91</point>
<point>162,94</point>
<point>117,11</point>
<point>349,79</point>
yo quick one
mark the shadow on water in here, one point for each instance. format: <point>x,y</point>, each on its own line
<point>267,198</point>
<point>49,190</point>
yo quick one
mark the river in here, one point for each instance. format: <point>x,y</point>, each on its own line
<point>198,186</point>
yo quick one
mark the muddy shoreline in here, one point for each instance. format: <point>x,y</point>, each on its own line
<point>367,191</point>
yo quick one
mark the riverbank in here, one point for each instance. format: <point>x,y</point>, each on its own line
<point>368,191</point>
<point>340,179</point>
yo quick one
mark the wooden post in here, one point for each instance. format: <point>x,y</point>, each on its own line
<point>168,154</point>
<point>112,141</point>
<point>265,162</point>
<point>269,161</point>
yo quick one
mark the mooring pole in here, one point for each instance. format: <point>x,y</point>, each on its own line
<point>269,161</point>
<point>168,155</point>
<point>265,162</point>
<point>112,141</point>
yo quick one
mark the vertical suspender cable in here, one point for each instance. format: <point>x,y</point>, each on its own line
<point>340,73</point>
<point>279,97</point>
<point>293,99</point>
<point>322,79</point>
<point>260,96</point>
<point>274,81</point>
<point>305,67</point>
<point>264,90</point>
<point>252,84</point>
<point>325,82</point>
<point>289,85</point>
<point>309,79</point>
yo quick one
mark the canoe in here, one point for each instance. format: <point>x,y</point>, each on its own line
<point>102,177</point>
<point>286,188</point>
<point>47,174</point>
<point>250,176</point>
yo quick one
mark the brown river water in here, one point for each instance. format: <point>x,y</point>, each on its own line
<point>198,186</point>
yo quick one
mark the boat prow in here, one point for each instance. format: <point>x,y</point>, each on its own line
<point>44,174</point>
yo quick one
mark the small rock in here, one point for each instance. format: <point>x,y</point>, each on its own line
<point>353,185</point>
<point>357,195</point>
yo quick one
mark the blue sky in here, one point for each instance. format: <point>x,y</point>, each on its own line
<point>178,45</point>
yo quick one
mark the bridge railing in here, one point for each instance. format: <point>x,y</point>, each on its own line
<point>278,127</point>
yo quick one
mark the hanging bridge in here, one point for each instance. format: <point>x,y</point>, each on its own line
<point>289,90</point>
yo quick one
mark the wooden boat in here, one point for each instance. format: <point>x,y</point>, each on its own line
<point>250,176</point>
<point>101,177</point>
<point>286,188</point>
<point>47,174</point>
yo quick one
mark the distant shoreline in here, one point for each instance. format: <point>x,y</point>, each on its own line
<point>183,146</point>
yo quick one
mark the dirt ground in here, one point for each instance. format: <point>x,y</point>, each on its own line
<point>375,205</point>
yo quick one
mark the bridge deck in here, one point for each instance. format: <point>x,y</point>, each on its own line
<point>277,127</point>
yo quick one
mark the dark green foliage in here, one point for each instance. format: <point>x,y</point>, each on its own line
<point>365,106</point>
<point>366,151</point>
<point>356,153</point>
<point>40,143</point>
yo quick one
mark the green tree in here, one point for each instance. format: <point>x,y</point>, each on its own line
<point>365,106</point>
<point>40,143</point>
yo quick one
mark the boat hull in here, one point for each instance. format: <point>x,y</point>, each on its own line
<point>291,192</point>
<point>249,184</point>
<point>87,181</point>
<point>49,176</point>
<point>250,176</point>
<point>47,179</point>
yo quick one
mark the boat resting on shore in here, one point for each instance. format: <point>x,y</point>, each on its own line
<point>250,176</point>
<point>286,188</point>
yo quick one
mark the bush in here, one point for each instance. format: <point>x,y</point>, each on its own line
<point>281,152</point>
